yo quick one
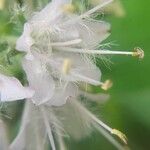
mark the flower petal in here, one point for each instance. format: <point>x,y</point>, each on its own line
<point>93,32</point>
<point>80,65</point>
<point>62,94</point>
<point>11,89</point>
<point>52,13</point>
<point>32,133</point>
<point>25,42</point>
<point>39,79</point>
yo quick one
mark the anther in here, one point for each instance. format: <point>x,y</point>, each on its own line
<point>120,135</point>
<point>66,66</point>
<point>2,4</point>
<point>68,8</point>
<point>107,85</point>
<point>138,52</point>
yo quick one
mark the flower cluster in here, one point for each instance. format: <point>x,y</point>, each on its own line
<point>59,44</point>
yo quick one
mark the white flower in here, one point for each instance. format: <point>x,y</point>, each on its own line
<point>58,44</point>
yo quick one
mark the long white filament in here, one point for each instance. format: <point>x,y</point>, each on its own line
<point>47,125</point>
<point>60,140</point>
<point>98,7</point>
<point>91,11</point>
<point>92,116</point>
<point>86,79</point>
<point>94,52</point>
<point>67,43</point>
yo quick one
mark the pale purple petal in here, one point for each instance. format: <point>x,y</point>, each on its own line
<point>11,89</point>
<point>25,42</point>
<point>39,79</point>
<point>62,94</point>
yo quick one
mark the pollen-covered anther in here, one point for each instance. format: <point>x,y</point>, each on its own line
<point>66,66</point>
<point>121,135</point>
<point>68,8</point>
<point>138,52</point>
<point>107,85</point>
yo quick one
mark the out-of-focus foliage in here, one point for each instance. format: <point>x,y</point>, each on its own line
<point>128,107</point>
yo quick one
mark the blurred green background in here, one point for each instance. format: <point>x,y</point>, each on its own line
<point>128,108</point>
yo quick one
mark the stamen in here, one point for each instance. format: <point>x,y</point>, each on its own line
<point>120,135</point>
<point>107,85</point>
<point>139,52</point>
<point>106,127</point>
<point>118,9</point>
<point>104,85</point>
<point>68,43</point>
<point>110,138</point>
<point>60,139</point>
<point>96,8</point>
<point>49,130</point>
<point>86,79</point>
<point>68,8</point>
<point>102,124</point>
<point>66,66</point>
<point>91,11</point>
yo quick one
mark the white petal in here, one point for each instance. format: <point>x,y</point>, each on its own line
<point>62,94</point>
<point>51,13</point>
<point>32,133</point>
<point>76,123</point>
<point>11,89</point>
<point>66,33</point>
<point>93,32</point>
<point>80,66</point>
<point>90,32</point>
<point>39,79</point>
<point>25,42</point>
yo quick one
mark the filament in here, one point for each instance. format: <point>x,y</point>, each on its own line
<point>68,43</point>
<point>49,131</point>
<point>91,11</point>
<point>137,53</point>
